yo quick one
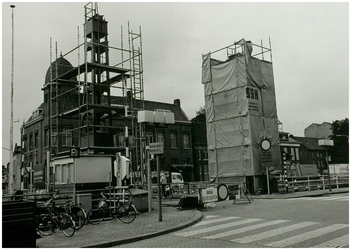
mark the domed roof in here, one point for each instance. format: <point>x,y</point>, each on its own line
<point>62,66</point>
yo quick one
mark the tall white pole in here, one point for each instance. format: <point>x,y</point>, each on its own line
<point>11,184</point>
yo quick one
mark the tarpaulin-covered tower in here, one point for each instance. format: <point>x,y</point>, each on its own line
<point>241,114</point>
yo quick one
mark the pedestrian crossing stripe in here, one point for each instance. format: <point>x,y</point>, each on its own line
<point>306,236</point>
<point>342,241</point>
<point>273,232</point>
<point>218,227</point>
<point>206,222</point>
<point>244,229</point>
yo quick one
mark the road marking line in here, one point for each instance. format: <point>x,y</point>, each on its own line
<point>321,198</point>
<point>214,221</point>
<point>244,229</point>
<point>211,216</point>
<point>219,227</point>
<point>338,242</point>
<point>306,236</point>
<point>273,232</point>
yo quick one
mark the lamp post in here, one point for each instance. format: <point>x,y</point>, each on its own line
<point>11,182</point>
<point>326,144</point>
<point>156,117</point>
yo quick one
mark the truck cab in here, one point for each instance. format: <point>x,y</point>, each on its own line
<point>177,182</point>
<point>177,178</point>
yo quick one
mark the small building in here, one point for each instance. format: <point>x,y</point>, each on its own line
<point>312,153</point>
<point>290,149</point>
<point>322,131</point>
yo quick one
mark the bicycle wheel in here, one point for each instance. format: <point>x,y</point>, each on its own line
<point>127,213</point>
<point>96,215</point>
<point>67,225</point>
<point>45,225</point>
<point>79,217</point>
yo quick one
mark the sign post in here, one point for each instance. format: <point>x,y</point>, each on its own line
<point>266,158</point>
<point>156,148</point>
<point>74,153</point>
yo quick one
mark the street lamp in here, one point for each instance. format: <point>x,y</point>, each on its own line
<point>326,144</point>
<point>11,182</point>
<point>155,117</point>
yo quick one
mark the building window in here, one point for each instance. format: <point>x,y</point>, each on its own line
<point>206,175</point>
<point>199,152</point>
<point>30,142</point>
<point>187,161</point>
<point>120,142</point>
<point>149,137</point>
<point>25,144</point>
<point>54,137</point>
<point>63,173</point>
<point>297,153</point>
<point>66,137</point>
<point>205,158</point>
<point>292,152</point>
<point>46,138</point>
<point>161,137</point>
<point>174,161</point>
<point>173,138</point>
<point>186,141</point>
<point>36,140</point>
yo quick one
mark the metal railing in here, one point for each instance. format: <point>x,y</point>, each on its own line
<point>308,183</point>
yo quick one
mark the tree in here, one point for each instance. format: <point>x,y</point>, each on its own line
<point>340,152</point>
<point>200,115</point>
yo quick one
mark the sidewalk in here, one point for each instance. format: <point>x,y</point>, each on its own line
<point>112,233</point>
<point>301,194</point>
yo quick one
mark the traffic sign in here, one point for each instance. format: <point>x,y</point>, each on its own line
<point>156,148</point>
<point>74,152</point>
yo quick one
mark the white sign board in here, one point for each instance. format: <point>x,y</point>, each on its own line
<point>156,148</point>
<point>325,142</point>
<point>209,195</point>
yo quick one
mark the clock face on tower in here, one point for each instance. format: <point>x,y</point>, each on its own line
<point>265,144</point>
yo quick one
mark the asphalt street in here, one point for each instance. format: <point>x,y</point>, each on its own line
<point>301,222</point>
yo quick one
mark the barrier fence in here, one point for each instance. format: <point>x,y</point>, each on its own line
<point>308,183</point>
<point>295,184</point>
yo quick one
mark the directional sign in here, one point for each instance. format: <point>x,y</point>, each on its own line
<point>156,148</point>
<point>266,158</point>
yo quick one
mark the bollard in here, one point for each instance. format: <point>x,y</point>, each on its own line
<point>337,182</point>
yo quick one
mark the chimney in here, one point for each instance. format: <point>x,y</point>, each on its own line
<point>177,102</point>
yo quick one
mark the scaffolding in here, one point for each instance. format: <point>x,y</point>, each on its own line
<point>93,104</point>
<point>238,48</point>
<point>241,112</point>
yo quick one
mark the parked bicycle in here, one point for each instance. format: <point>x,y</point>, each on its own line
<point>124,211</point>
<point>54,220</point>
<point>76,211</point>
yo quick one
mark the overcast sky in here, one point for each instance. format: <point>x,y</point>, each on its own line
<point>310,48</point>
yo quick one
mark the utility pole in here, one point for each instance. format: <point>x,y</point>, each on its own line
<point>11,182</point>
